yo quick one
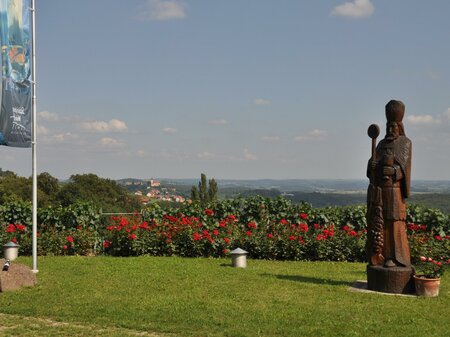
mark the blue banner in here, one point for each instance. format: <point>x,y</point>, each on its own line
<point>15,101</point>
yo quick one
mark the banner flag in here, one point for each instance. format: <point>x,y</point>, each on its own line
<point>15,101</point>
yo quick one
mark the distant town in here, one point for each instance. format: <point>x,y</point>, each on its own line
<point>151,190</point>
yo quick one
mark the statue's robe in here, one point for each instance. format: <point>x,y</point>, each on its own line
<point>395,153</point>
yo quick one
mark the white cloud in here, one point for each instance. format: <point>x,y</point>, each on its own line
<point>111,143</point>
<point>218,122</point>
<point>57,138</point>
<point>261,101</point>
<point>141,153</point>
<point>170,131</point>
<point>162,10</point>
<point>48,116</point>
<point>315,134</point>
<point>446,116</point>
<point>441,120</point>
<point>271,138</point>
<point>246,156</point>
<point>42,130</point>
<point>249,156</point>
<point>421,119</point>
<point>114,125</point>
<point>207,155</point>
<point>356,9</point>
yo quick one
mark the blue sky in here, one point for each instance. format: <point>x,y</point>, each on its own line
<point>236,89</point>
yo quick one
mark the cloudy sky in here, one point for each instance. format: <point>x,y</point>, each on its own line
<point>236,89</point>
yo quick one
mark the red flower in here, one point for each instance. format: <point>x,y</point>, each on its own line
<point>209,212</point>
<point>216,232</point>
<point>303,216</point>
<point>65,247</point>
<point>224,251</point>
<point>438,237</point>
<point>106,244</point>
<point>197,237</point>
<point>292,238</point>
<point>20,227</point>
<point>321,237</point>
<point>132,236</point>
<point>317,226</point>
<point>123,221</point>
<point>110,228</point>
<point>14,240</point>
<point>144,225</point>
<point>303,227</point>
<point>352,233</point>
<point>231,217</point>
<point>251,224</point>
<point>413,227</point>
<point>284,222</point>
<point>423,258</point>
<point>270,236</point>
<point>11,228</point>
<point>223,224</point>
<point>248,233</point>
<point>70,239</point>
<point>226,240</point>
<point>346,228</point>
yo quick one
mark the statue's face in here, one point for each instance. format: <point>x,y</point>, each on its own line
<point>392,130</point>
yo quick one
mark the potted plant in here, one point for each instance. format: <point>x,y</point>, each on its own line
<point>427,278</point>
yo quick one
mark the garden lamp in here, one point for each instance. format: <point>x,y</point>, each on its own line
<point>239,258</point>
<point>11,251</point>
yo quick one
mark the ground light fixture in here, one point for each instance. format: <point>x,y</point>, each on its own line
<point>11,251</point>
<point>239,258</point>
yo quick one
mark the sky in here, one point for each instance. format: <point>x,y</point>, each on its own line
<point>236,89</point>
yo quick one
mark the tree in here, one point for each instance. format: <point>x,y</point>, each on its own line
<point>47,184</point>
<point>15,188</point>
<point>206,192</point>
<point>212,190</point>
<point>103,193</point>
<point>194,194</point>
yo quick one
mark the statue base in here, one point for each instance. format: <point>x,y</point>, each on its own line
<point>394,280</point>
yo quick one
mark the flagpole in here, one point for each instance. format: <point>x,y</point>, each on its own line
<point>34,129</point>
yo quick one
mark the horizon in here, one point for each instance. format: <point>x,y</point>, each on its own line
<point>238,90</point>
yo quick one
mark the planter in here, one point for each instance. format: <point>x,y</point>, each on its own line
<point>428,287</point>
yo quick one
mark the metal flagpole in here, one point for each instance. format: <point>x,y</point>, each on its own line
<point>34,129</point>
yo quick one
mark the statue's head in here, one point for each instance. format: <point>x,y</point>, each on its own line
<point>395,110</point>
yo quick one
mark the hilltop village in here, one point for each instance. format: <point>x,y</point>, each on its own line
<point>151,190</point>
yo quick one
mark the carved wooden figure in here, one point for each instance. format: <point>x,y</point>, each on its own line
<point>389,171</point>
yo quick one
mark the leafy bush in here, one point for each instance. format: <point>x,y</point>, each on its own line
<point>266,228</point>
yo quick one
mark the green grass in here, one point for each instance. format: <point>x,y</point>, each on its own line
<point>105,296</point>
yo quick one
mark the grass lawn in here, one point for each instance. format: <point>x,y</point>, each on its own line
<point>170,296</point>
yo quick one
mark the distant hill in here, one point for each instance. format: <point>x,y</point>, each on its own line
<point>305,185</point>
<point>319,193</point>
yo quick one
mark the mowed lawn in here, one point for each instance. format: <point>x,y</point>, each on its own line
<point>170,296</point>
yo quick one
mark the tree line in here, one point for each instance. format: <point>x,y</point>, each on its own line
<point>103,193</point>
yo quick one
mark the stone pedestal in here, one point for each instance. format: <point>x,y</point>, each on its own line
<point>17,276</point>
<point>394,280</point>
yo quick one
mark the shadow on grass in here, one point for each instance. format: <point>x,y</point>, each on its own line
<point>308,279</point>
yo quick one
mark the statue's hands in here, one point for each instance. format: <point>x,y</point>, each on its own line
<point>388,171</point>
<point>372,165</point>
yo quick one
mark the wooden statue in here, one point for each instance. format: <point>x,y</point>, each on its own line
<point>389,171</point>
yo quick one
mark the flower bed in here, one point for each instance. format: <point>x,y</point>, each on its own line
<point>267,229</point>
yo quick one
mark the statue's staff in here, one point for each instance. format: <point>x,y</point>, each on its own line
<point>375,220</point>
